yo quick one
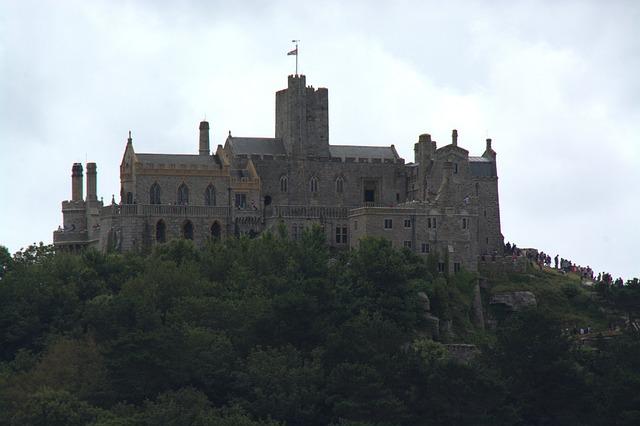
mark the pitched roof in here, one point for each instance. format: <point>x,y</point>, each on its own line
<point>259,146</point>
<point>189,159</point>
<point>357,151</point>
<point>482,167</point>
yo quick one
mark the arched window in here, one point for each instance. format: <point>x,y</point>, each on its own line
<point>154,194</point>
<point>313,184</point>
<point>161,231</point>
<point>183,195</point>
<point>129,199</point>
<point>283,184</point>
<point>477,188</point>
<point>187,230</point>
<point>210,196</point>
<point>215,230</point>
<point>339,185</point>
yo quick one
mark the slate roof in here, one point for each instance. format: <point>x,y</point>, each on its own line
<point>357,151</point>
<point>259,146</point>
<point>207,160</point>
<point>482,167</point>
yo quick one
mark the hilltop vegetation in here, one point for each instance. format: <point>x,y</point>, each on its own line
<point>271,331</point>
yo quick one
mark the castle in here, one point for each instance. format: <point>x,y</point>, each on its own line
<point>445,202</point>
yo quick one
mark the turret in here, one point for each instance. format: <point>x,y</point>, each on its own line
<point>92,187</point>
<point>76,182</point>
<point>489,152</point>
<point>204,138</point>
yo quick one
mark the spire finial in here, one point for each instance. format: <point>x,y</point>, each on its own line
<point>129,140</point>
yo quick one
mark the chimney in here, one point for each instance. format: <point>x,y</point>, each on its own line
<point>425,137</point>
<point>91,182</point>
<point>76,182</point>
<point>454,137</point>
<point>204,138</point>
<point>488,144</point>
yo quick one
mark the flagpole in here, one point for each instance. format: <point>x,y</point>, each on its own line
<point>296,50</point>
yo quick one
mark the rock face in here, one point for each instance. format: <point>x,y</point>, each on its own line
<point>515,301</point>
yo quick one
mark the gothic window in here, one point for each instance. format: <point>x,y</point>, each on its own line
<point>215,230</point>
<point>183,195</point>
<point>154,194</point>
<point>339,185</point>
<point>455,168</point>
<point>241,201</point>
<point>441,266</point>
<point>283,184</point>
<point>210,196</point>
<point>129,198</point>
<point>187,230</point>
<point>313,184</point>
<point>161,231</point>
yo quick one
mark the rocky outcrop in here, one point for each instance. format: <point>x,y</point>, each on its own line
<point>432,322</point>
<point>515,300</point>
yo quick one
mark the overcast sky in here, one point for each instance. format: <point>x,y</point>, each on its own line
<point>555,84</point>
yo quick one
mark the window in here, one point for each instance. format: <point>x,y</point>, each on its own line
<point>210,196</point>
<point>154,194</point>
<point>339,185</point>
<point>187,230</point>
<point>313,184</point>
<point>183,195</point>
<point>464,223</point>
<point>341,235</point>
<point>431,222</point>
<point>477,188</point>
<point>406,244</point>
<point>441,266</point>
<point>161,231</point>
<point>407,223</point>
<point>424,248</point>
<point>215,230</point>
<point>455,168</point>
<point>283,184</point>
<point>241,201</point>
<point>456,267</point>
<point>487,240</point>
<point>388,224</point>
<point>129,199</point>
<point>397,197</point>
<point>485,212</point>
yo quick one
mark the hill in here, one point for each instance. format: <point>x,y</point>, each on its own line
<point>273,331</point>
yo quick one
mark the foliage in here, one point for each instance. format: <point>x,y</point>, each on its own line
<point>271,331</point>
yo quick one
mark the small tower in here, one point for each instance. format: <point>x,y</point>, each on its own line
<point>92,187</point>
<point>76,182</point>
<point>204,138</point>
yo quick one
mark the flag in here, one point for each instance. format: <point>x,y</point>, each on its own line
<point>293,52</point>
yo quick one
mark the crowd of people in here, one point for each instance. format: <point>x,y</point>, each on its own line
<point>542,259</point>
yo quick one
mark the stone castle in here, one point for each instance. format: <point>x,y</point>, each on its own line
<point>445,202</point>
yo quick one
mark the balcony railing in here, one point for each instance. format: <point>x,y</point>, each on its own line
<point>164,210</point>
<point>309,212</point>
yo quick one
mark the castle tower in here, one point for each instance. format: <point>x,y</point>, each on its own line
<point>204,138</point>
<point>302,119</point>
<point>76,182</point>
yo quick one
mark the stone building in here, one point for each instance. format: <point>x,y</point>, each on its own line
<point>445,202</point>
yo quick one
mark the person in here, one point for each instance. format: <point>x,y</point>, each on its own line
<point>555,259</point>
